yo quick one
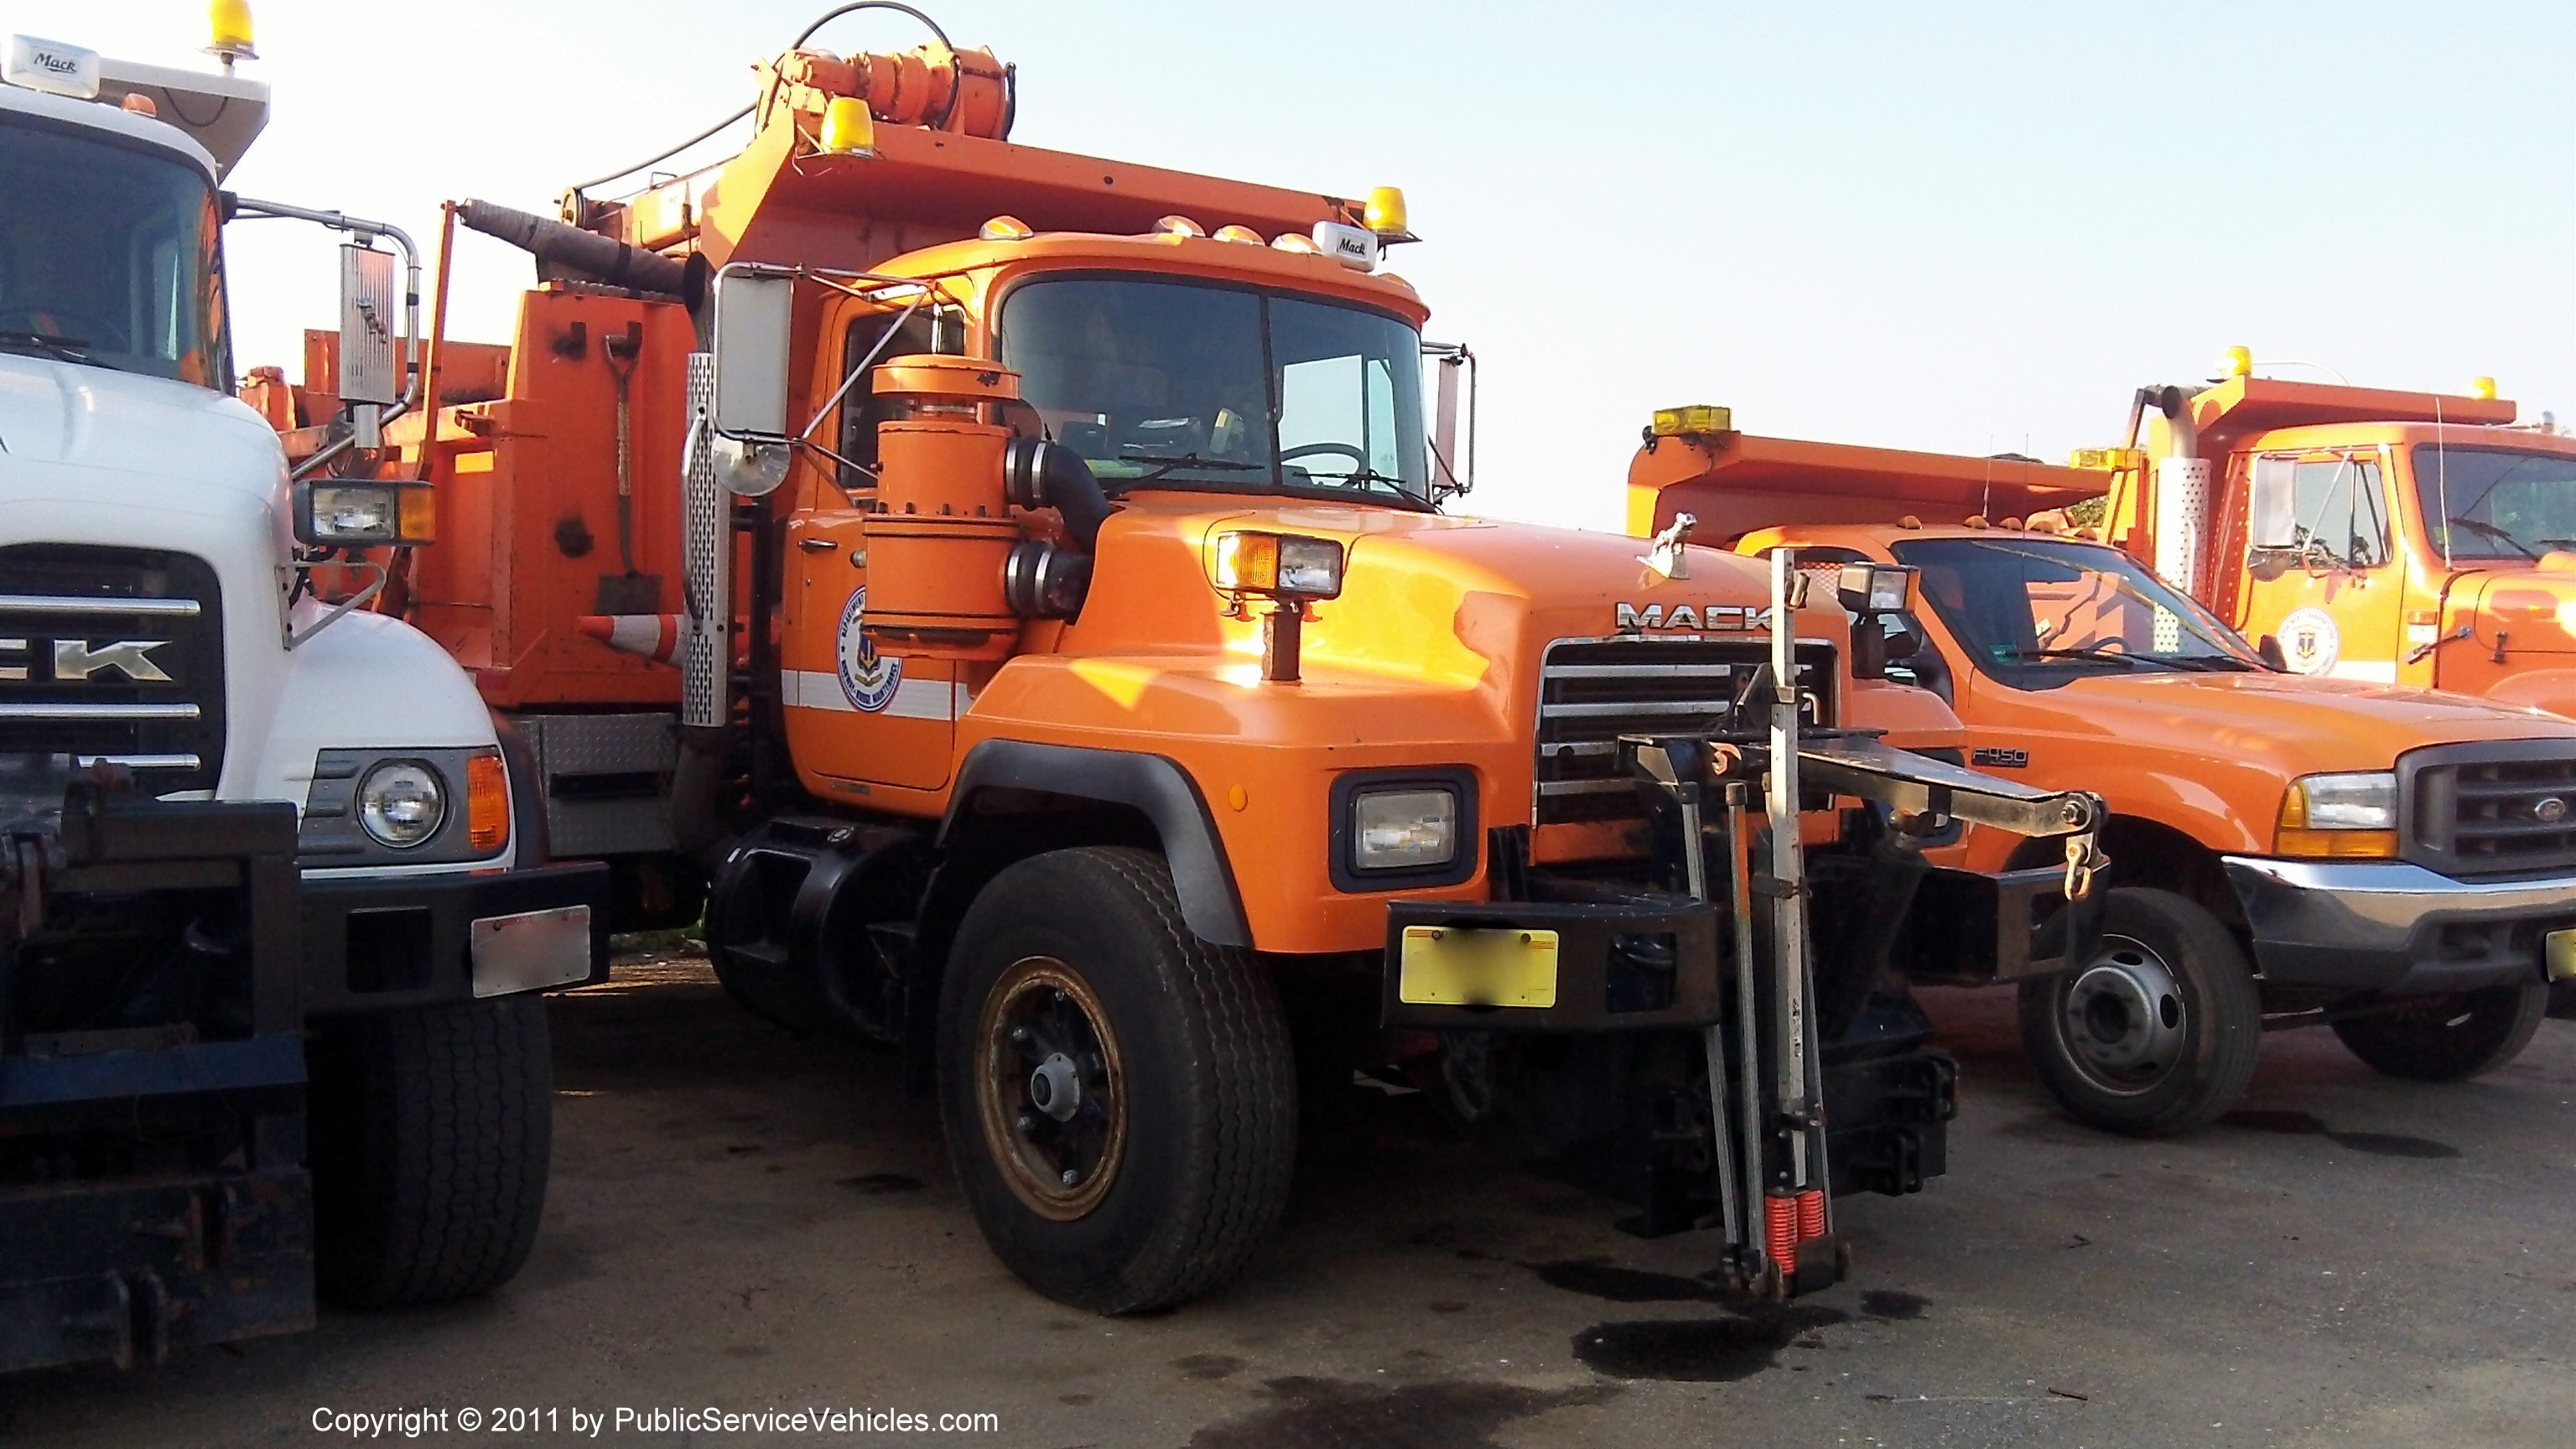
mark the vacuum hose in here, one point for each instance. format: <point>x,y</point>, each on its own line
<point>600,258</point>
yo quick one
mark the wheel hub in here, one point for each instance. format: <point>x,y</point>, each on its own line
<point>1055,1088</point>
<point>2124,1015</point>
<point>1055,1120</point>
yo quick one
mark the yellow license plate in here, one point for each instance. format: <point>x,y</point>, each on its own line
<point>1456,966</point>
<point>2558,952</point>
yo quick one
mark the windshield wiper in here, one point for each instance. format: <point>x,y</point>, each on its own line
<point>2105,654</point>
<point>65,349</point>
<point>1189,460</point>
<point>2484,529</point>
<point>1394,486</point>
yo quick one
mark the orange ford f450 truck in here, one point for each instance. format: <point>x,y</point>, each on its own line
<point>2285,849</point>
<point>1016,589</point>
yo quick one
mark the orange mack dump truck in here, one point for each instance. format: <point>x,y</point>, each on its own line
<point>2284,849</point>
<point>1029,616</point>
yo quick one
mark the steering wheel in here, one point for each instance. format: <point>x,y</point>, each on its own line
<point>98,332</point>
<point>1359,459</point>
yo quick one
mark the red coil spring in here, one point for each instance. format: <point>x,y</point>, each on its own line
<point>1780,1225</point>
<point>1811,1214</point>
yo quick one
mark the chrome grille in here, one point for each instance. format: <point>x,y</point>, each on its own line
<point>1592,691</point>
<point>2493,809</point>
<point>113,653</point>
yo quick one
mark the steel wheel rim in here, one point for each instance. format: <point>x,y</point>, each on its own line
<point>2124,1018</point>
<point>1049,1090</point>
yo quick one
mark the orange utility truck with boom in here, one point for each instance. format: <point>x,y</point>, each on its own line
<point>2284,849</point>
<point>1015,587</point>
<point>2384,536</point>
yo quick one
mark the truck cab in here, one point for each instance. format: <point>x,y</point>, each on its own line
<point>2283,847</point>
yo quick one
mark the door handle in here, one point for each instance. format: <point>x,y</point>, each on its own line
<point>811,544</point>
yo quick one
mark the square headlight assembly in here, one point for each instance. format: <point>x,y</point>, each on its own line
<point>1403,829</point>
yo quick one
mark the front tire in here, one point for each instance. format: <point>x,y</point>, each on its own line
<point>1119,1096</point>
<point>432,1132</point>
<point>2157,1033</point>
<point>2451,1037</point>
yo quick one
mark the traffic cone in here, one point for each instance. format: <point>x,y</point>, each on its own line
<point>655,636</point>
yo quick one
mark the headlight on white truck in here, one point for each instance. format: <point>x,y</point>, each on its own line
<point>363,513</point>
<point>2339,816</point>
<point>401,803</point>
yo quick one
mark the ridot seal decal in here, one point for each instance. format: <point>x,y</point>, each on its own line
<point>2310,642</point>
<point>867,677</point>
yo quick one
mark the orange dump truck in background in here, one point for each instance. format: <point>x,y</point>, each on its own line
<point>2378,535</point>
<point>1016,589</point>
<point>2283,848</point>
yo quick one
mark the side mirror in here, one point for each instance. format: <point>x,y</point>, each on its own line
<point>1881,642</point>
<point>2268,648</point>
<point>1449,360</point>
<point>370,349</point>
<point>754,310</point>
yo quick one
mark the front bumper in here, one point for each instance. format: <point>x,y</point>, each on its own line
<point>373,943</point>
<point>2392,926</point>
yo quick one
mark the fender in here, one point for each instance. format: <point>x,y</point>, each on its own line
<point>1152,785</point>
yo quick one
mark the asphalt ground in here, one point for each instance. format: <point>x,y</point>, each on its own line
<point>744,1221</point>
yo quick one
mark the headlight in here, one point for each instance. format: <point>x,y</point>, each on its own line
<point>359,513</point>
<point>401,803</point>
<point>1403,829</point>
<point>1286,564</point>
<point>2339,815</point>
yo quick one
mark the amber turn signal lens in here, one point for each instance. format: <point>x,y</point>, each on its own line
<point>487,804</point>
<point>2335,844</point>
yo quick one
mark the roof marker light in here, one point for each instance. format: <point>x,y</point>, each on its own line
<point>1241,235</point>
<point>1005,228</point>
<point>1289,241</point>
<point>1178,226</point>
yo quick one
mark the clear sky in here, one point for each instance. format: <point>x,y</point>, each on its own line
<point>1964,227</point>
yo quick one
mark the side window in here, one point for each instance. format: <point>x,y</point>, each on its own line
<point>2331,508</point>
<point>941,329</point>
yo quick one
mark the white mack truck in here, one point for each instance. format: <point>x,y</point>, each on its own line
<point>275,907</point>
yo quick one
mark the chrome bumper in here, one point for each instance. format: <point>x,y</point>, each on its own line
<point>2391,926</point>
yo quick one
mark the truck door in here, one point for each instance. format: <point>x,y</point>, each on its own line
<point>2320,575</point>
<point>856,717</point>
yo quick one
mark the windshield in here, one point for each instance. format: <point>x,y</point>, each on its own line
<point>2036,612</point>
<point>1199,385</point>
<point>2487,503</point>
<point>107,256</point>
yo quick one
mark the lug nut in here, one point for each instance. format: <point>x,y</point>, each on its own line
<point>1020,1034</point>
<point>1026,1124</point>
<point>1071,1177</point>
